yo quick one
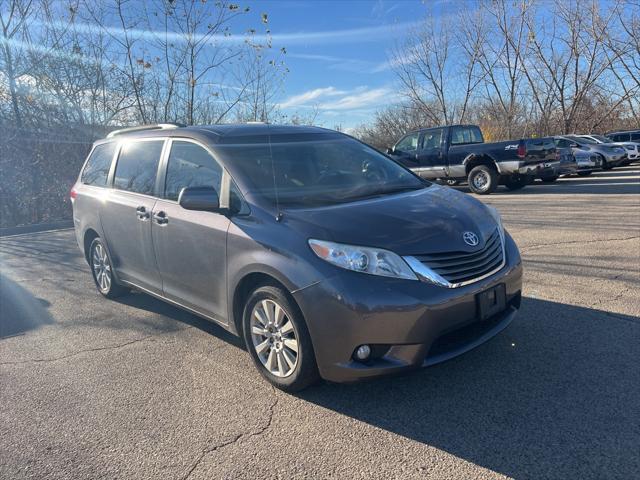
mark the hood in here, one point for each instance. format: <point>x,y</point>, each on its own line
<point>425,221</point>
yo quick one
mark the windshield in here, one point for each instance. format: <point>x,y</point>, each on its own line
<point>316,169</point>
<point>588,140</point>
<point>601,138</point>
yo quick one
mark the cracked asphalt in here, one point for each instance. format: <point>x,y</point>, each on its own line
<point>134,388</point>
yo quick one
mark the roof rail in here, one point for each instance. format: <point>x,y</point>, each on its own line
<point>155,126</point>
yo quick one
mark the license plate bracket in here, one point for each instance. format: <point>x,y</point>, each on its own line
<point>491,301</point>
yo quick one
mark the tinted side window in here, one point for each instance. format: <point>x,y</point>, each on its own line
<point>137,166</point>
<point>97,169</point>
<point>432,139</point>
<point>190,165</point>
<point>408,143</point>
<point>460,135</point>
<point>635,137</point>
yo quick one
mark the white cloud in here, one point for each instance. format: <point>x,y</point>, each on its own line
<point>352,35</point>
<point>331,100</point>
<point>303,99</point>
<point>361,99</point>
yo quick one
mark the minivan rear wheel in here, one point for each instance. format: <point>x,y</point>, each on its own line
<point>277,339</point>
<point>102,270</point>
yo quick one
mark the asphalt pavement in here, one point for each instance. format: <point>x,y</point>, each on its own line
<point>136,389</point>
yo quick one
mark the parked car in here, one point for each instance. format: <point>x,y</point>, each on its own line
<point>612,156</point>
<point>585,162</point>
<point>565,163</point>
<point>632,148</point>
<point>625,136</point>
<point>458,153</point>
<point>327,257</point>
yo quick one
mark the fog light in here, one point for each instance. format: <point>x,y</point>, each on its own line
<point>363,352</point>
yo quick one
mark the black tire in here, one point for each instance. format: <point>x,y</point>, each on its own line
<point>516,183</point>
<point>305,371</point>
<point>606,165</point>
<point>483,180</point>
<point>102,271</point>
<point>585,174</point>
<point>550,179</point>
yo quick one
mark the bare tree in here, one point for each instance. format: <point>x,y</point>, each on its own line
<point>14,21</point>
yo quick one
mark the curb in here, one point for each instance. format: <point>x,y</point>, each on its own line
<point>40,227</point>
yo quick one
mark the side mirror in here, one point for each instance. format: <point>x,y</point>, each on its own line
<point>204,199</point>
<point>390,150</point>
<point>573,145</point>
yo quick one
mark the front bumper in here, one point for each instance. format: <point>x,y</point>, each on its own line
<point>616,159</point>
<point>411,323</point>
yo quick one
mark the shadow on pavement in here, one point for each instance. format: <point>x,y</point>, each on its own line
<point>151,304</point>
<point>19,310</point>
<point>554,396</point>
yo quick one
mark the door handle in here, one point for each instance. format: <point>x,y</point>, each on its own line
<point>142,213</point>
<point>161,218</point>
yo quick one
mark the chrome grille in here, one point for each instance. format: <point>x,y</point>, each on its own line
<point>463,267</point>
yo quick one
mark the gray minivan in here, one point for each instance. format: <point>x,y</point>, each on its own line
<point>330,259</point>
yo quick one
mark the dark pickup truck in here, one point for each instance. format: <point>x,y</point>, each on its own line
<point>458,153</point>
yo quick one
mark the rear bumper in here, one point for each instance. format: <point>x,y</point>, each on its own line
<point>519,167</point>
<point>409,323</point>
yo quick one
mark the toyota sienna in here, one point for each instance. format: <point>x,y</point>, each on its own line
<point>329,258</point>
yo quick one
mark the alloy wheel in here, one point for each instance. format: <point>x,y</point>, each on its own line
<point>101,267</point>
<point>274,338</point>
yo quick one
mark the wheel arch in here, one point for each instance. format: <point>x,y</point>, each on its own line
<point>89,236</point>
<point>473,160</point>
<point>243,288</point>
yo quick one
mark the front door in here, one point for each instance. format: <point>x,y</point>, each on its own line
<point>431,161</point>
<point>406,150</point>
<point>126,213</point>
<point>191,246</point>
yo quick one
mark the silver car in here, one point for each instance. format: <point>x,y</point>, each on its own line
<point>632,148</point>
<point>612,156</point>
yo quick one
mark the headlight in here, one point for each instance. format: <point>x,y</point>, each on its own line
<point>629,147</point>
<point>373,261</point>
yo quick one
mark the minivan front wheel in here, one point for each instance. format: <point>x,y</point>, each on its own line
<point>278,340</point>
<point>102,270</point>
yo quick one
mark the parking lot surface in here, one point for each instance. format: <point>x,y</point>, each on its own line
<point>134,388</point>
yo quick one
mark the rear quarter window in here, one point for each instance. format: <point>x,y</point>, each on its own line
<point>96,170</point>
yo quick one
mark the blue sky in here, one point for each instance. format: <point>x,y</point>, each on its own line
<point>338,51</point>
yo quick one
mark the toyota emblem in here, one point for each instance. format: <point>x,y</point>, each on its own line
<point>470,238</point>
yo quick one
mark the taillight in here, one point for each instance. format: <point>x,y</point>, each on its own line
<point>73,194</point>
<point>522,150</point>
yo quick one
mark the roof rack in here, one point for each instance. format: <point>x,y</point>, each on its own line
<point>155,126</point>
